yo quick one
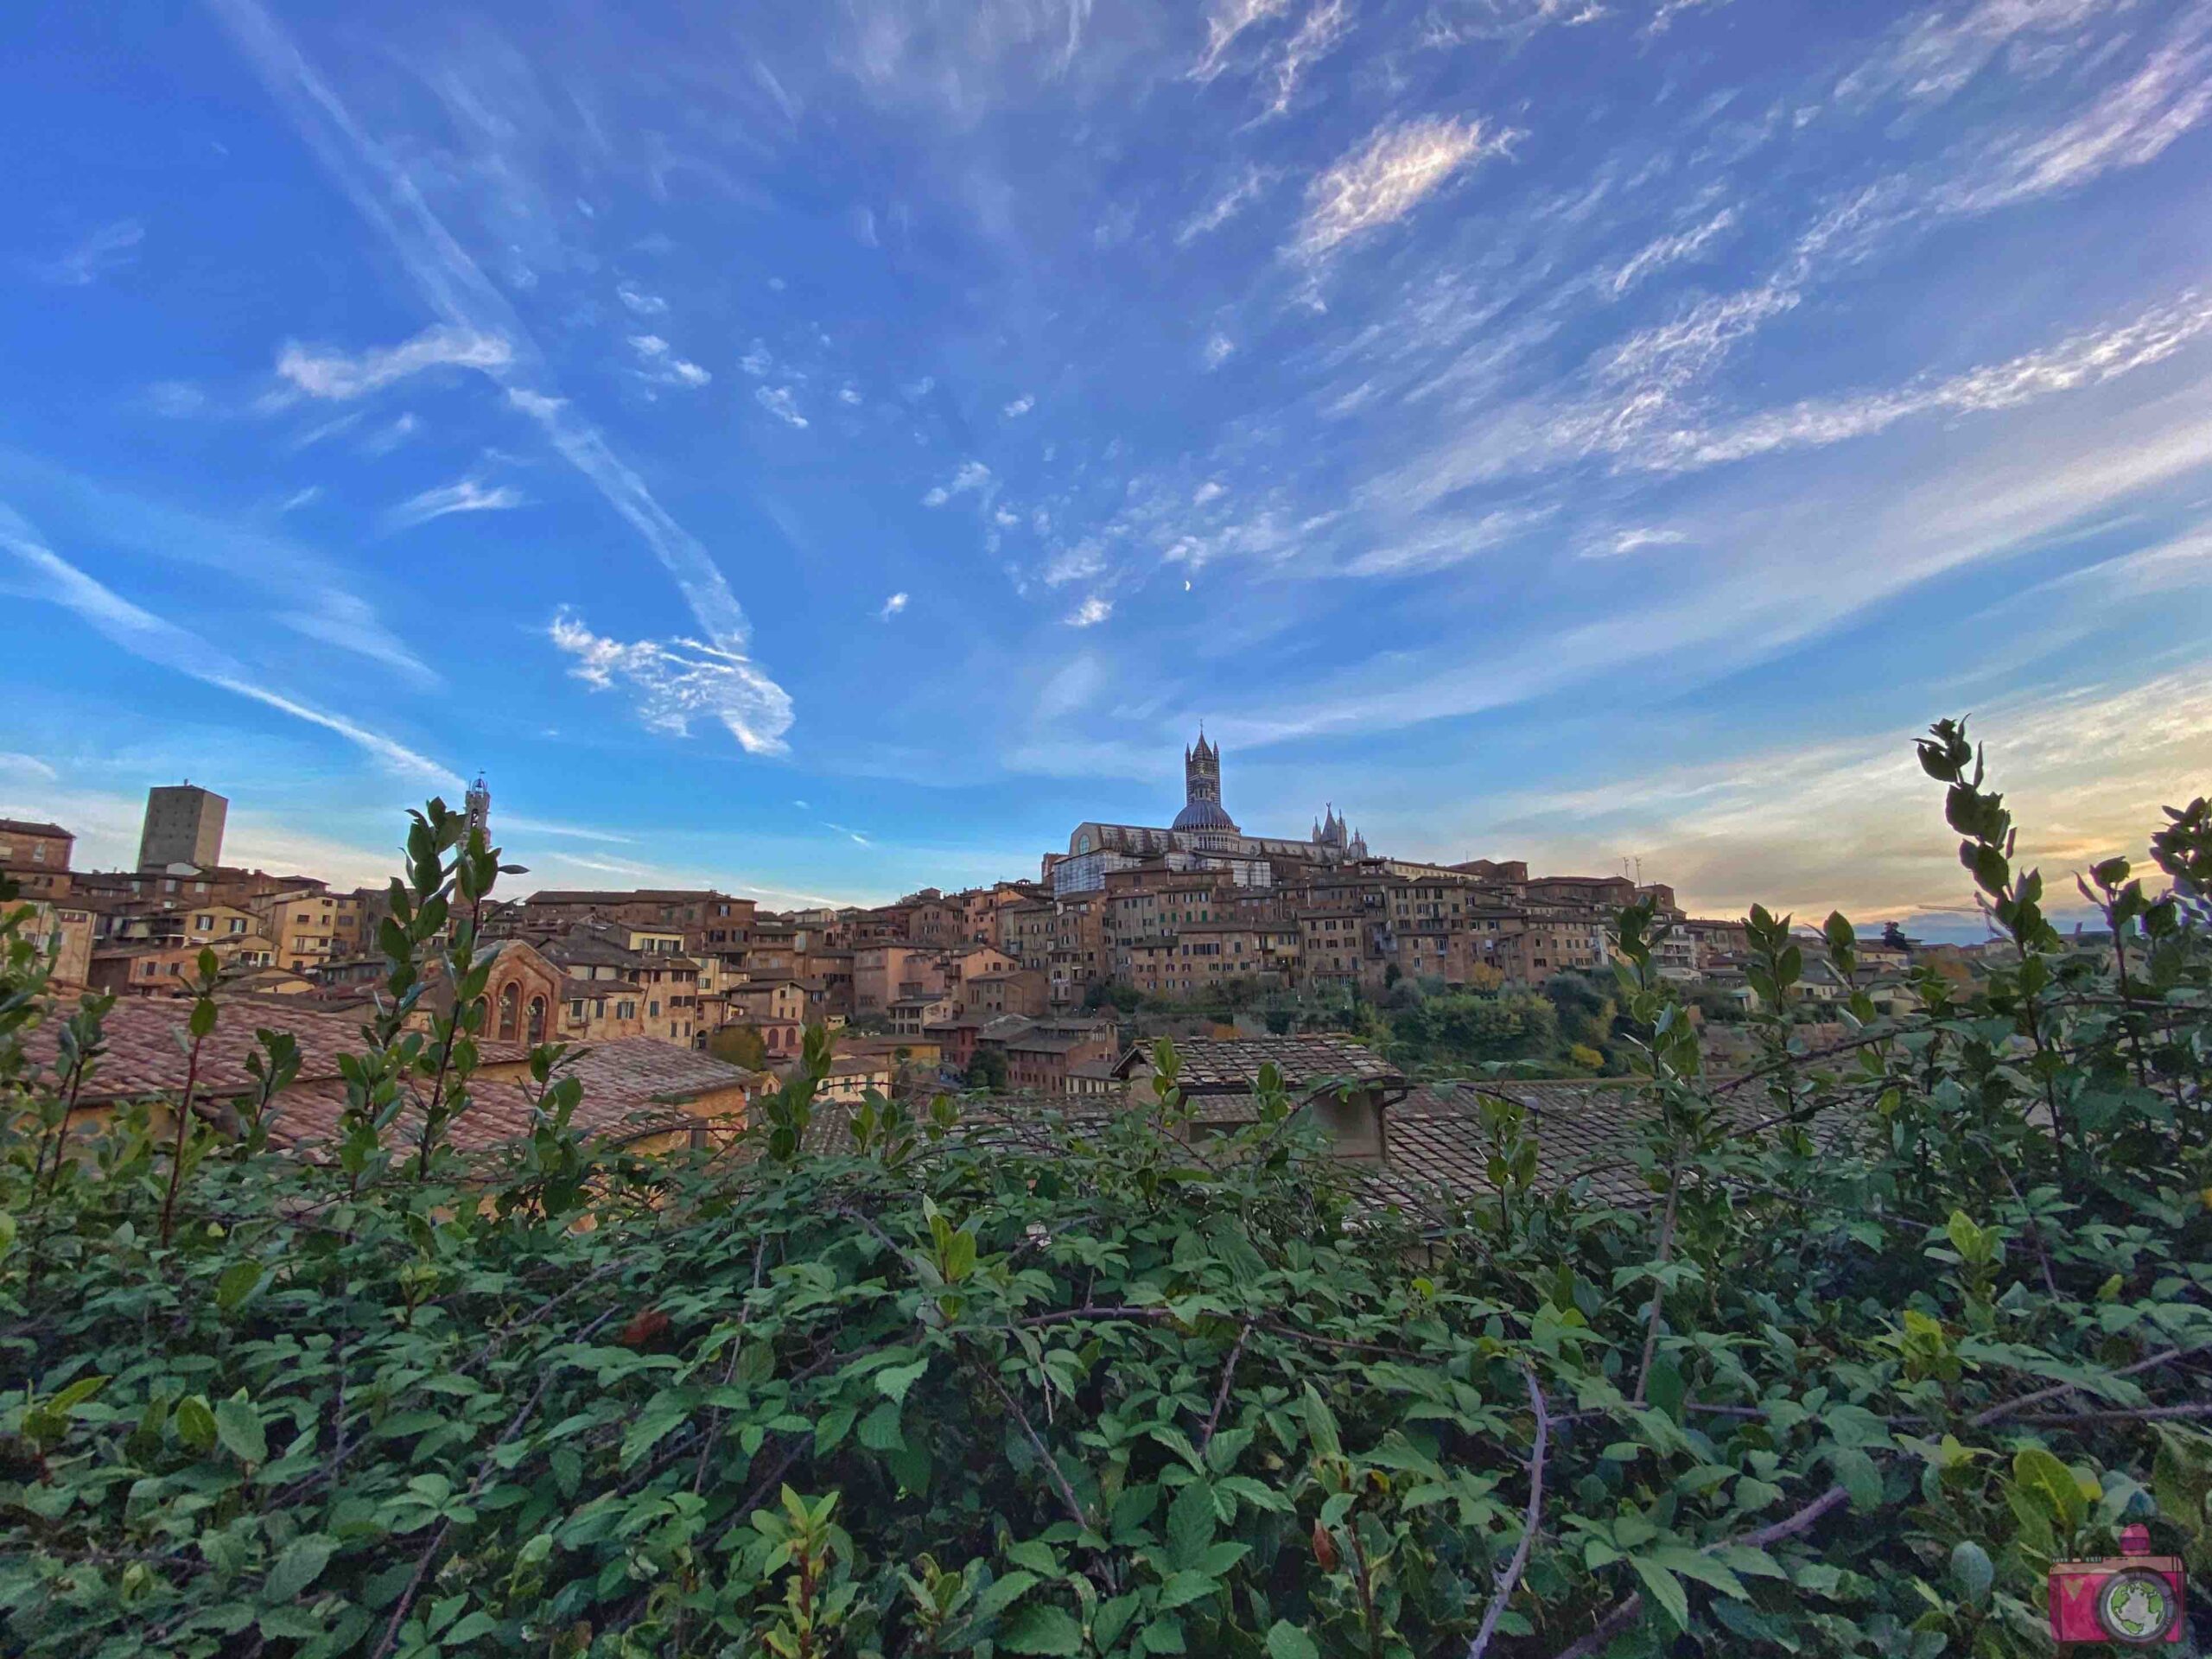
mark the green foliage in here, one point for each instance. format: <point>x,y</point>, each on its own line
<point>1902,1322</point>
<point>1467,1027</point>
<point>986,1070</point>
<point>739,1045</point>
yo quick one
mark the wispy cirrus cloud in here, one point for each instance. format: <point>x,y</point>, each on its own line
<point>1388,176</point>
<point>1325,23</point>
<point>130,627</point>
<point>16,766</point>
<point>1248,187</point>
<point>305,589</point>
<point>473,309</point>
<point>1019,407</point>
<point>175,400</point>
<point>327,372</point>
<point>1936,53</point>
<point>2125,126</point>
<point>2088,358</point>
<point>462,495</point>
<point>1226,20</point>
<point>1089,614</point>
<point>1634,539</point>
<point>639,301</point>
<point>675,681</point>
<point>100,253</point>
<point>1851,820</point>
<point>1662,251</point>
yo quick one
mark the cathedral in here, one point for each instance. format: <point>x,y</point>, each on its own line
<point>1203,837</point>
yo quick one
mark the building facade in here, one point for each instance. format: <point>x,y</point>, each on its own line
<point>1203,837</point>
<point>184,825</point>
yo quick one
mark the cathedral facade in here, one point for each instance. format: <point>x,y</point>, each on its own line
<point>1203,837</point>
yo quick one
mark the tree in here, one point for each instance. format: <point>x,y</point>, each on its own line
<point>986,1070</point>
<point>1464,1029</point>
<point>739,1045</point>
<point>1894,936</point>
<point>1585,1007</point>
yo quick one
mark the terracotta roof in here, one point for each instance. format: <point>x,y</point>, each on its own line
<point>1215,1065</point>
<point>639,896</point>
<point>637,1071</point>
<point>146,1039</point>
<point>1048,1042</point>
<point>24,827</point>
<point>1583,1131</point>
<point>581,947</point>
<point>633,1086</point>
<point>500,1112</point>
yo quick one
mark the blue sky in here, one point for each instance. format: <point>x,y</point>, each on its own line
<point>827,451</point>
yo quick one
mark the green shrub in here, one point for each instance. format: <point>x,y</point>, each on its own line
<point>1901,1322</point>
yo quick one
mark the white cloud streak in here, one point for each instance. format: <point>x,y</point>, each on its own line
<point>456,287</point>
<point>1223,207</point>
<point>1326,23</point>
<point>892,606</point>
<point>327,373</point>
<point>2128,125</point>
<point>2084,359</point>
<point>675,682</point>
<point>107,250</point>
<point>1667,250</point>
<point>1089,614</point>
<point>1853,821</point>
<point>462,495</point>
<point>779,402</point>
<point>1388,175</point>
<point>156,640</point>
<point>1226,20</point>
<point>973,478</point>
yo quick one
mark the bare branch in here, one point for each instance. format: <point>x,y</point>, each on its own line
<point>1513,1568</point>
<point>1220,1394</point>
<point>1623,1614</point>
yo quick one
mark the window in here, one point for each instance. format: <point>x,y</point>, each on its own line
<point>510,1011</point>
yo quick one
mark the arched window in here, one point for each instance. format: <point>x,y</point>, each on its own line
<point>537,1019</point>
<point>510,1011</point>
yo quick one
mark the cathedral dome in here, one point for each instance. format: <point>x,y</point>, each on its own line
<point>1205,815</point>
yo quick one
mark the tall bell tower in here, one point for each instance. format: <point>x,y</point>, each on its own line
<point>1202,772</point>
<point>479,803</point>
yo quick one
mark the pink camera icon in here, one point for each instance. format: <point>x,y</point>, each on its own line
<point>2133,1598</point>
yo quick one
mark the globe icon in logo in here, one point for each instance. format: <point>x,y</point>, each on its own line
<point>2136,1607</point>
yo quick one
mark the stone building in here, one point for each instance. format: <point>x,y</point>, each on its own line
<point>183,826</point>
<point>35,857</point>
<point>1203,837</point>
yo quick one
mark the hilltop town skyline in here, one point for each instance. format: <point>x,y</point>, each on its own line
<point>836,449</point>
<point>1204,838</point>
